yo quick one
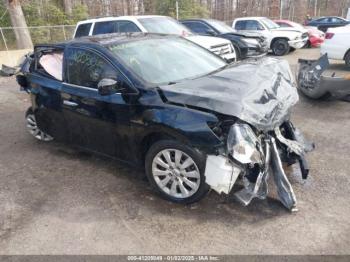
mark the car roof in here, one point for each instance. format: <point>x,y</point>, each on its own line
<point>283,21</point>
<point>115,18</point>
<point>251,18</point>
<point>108,39</point>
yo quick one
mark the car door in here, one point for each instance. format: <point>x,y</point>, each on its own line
<point>45,80</point>
<point>97,122</point>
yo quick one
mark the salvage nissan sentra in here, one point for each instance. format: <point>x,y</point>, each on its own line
<point>193,121</point>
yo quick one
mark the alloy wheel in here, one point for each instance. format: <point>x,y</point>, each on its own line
<point>34,129</point>
<point>176,173</point>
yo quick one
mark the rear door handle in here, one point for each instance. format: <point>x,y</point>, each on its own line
<point>69,103</point>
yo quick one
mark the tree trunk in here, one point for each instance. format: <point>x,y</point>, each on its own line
<point>22,34</point>
<point>67,5</point>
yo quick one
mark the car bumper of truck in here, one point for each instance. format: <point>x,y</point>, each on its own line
<point>297,44</point>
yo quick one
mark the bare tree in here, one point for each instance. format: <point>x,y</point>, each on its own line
<point>67,5</point>
<point>18,21</point>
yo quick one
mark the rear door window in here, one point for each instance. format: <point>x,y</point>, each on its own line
<point>127,27</point>
<point>107,27</point>
<point>241,25</point>
<point>86,68</point>
<point>83,30</point>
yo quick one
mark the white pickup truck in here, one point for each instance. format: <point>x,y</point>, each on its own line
<point>154,24</point>
<point>280,39</point>
<point>337,44</point>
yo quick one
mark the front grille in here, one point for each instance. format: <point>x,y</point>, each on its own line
<point>221,49</point>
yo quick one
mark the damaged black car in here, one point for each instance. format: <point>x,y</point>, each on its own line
<point>192,121</point>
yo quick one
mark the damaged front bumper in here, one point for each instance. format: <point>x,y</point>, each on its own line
<point>314,84</point>
<point>275,148</point>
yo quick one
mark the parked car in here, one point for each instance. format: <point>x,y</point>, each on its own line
<point>153,24</point>
<point>246,45</point>
<point>280,40</point>
<point>323,23</point>
<point>316,37</point>
<point>193,121</point>
<point>337,44</point>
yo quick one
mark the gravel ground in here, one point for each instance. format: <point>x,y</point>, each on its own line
<point>56,200</point>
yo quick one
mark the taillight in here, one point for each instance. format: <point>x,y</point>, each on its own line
<point>329,35</point>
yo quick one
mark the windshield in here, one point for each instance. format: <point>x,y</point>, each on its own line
<point>296,25</point>
<point>220,26</point>
<point>167,60</point>
<point>269,23</point>
<point>164,25</point>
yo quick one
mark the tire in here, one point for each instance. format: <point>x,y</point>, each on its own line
<point>238,53</point>
<point>308,44</point>
<point>280,47</point>
<point>347,59</point>
<point>33,128</point>
<point>181,185</point>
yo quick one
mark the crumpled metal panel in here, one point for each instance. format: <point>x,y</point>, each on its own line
<point>260,92</point>
<point>259,189</point>
<point>314,84</point>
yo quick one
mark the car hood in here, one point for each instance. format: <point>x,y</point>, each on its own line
<point>289,29</point>
<point>207,41</point>
<point>259,92</point>
<point>246,34</point>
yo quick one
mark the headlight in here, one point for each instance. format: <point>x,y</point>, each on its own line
<point>250,41</point>
<point>242,144</point>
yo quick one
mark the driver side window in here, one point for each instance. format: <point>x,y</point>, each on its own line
<point>86,68</point>
<point>198,27</point>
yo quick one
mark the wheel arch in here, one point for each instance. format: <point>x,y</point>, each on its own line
<point>152,138</point>
<point>346,53</point>
<point>278,38</point>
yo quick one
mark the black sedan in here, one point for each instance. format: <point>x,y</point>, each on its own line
<point>324,23</point>
<point>246,45</point>
<point>162,103</point>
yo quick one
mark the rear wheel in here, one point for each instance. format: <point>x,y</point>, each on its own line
<point>347,59</point>
<point>280,47</point>
<point>176,171</point>
<point>33,128</point>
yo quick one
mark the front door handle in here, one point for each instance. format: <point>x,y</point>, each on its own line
<point>69,103</point>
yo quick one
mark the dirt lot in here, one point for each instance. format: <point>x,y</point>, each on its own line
<point>56,200</point>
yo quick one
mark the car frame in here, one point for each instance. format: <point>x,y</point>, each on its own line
<point>316,37</point>
<point>323,23</point>
<point>280,40</point>
<point>246,45</point>
<point>218,46</point>
<point>183,132</point>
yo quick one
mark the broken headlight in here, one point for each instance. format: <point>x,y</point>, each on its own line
<point>243,144</point>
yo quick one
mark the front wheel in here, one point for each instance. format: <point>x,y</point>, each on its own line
<point>280,47</point>
<point>176,171</point>
<point>33,128</point>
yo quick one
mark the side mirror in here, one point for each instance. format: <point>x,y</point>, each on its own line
<point>107,86</point>
<point>210,32</point>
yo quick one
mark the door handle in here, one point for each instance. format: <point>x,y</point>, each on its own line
<point>69,103</point>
